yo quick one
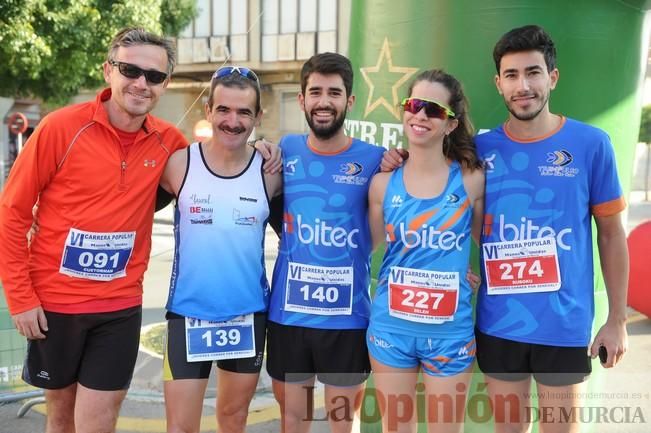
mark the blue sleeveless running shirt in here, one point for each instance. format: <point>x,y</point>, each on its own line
<point>322,274</point>
<point>537,271</point>
<point>219,226</point>
<point>422,289</point>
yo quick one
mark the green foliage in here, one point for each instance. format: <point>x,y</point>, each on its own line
<point>176,14</point>
<point>645,125</point>
<point>51,49</point>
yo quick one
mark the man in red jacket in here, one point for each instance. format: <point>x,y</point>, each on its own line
<point>76,291</point>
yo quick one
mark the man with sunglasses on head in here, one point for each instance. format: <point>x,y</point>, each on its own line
<point>76,292</point>
<point>320,303</point>
<point>217,305</point>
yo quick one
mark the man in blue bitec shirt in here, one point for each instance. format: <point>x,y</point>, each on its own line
<point>320,302</point>
<point>546,177</point>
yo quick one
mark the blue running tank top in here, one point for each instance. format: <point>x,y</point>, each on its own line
<point>322,275</point>
<point>537,267</point>
<point>422,288</point>
<point>219,226</point>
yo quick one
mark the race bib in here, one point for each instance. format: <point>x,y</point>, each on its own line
<point>206,340</point>
<point>423,296</point>
<point>321,290</point>
<point>95,255</point>
<point>528,266</point>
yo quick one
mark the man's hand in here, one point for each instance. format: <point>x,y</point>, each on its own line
<point>31,323</point>
<point>33,230</point>
<point>271,153</point>
<point>614,338</point>
<point>393,158</point>
<point>473,279</point>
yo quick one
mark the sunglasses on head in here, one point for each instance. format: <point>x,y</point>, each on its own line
<point>432,108</point>
<point>240,70</point>
<point>132,71</point>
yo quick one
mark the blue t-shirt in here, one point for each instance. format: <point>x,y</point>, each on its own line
<point>322,273</point>
<point>422,288</point>
<point>540,196</point>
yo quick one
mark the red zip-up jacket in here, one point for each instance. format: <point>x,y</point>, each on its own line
<point>74,166</point>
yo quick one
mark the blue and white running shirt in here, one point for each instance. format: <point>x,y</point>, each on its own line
<point>219,226</point>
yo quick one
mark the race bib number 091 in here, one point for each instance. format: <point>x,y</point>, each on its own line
<point>528,266</point>
<point>96,256</point>
<point>207,341</point>
<point>320,290</point>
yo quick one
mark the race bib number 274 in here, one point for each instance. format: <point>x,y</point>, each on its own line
<point>522,266</point>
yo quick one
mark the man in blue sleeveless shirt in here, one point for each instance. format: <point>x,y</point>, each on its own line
<point>320,302</point>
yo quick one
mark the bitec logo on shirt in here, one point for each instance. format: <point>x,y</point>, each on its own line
<point>319,232</point>
<point>526,229</point>
<point>424,237</point>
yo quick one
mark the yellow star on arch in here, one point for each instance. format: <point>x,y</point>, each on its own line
<point>385,57</point>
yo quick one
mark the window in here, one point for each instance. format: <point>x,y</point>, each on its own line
<point>296,30</point>
<point>220,14</point>
<point>219,31</point>
<point>307,21</point>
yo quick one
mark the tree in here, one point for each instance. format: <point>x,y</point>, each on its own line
<point>645,137</point>
<point>51,49</point>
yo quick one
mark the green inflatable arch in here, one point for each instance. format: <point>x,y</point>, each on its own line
<point>602,56</point>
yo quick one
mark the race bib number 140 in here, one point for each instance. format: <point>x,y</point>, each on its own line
<point>320,290</point>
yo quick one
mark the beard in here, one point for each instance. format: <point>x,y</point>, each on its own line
<point>524,116</point>
<point>325,132</point>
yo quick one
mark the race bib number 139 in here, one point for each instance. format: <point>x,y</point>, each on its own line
<point>211,341</point>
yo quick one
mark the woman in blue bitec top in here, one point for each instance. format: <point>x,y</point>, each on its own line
<point>426,211</point>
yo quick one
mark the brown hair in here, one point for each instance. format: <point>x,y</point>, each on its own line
<point>526,38</point>
<point>328,63</point>
<point>460,144</point>
<point>235,80</point>
<point>138,36</point>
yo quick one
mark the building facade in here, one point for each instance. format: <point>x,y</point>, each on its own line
<point>272,37</point>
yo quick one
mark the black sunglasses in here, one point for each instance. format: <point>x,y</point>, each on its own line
<point>132,71</point>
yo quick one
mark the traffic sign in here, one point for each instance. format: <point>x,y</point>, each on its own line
<point>18,123</point>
